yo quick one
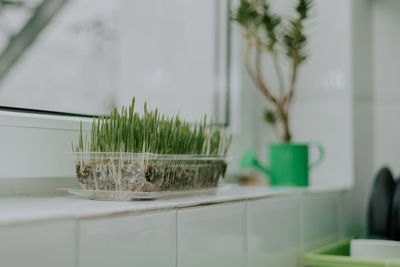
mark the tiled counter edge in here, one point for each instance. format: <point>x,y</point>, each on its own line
<point>243,227</point>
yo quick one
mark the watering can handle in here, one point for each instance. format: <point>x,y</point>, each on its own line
<point>321,156</point>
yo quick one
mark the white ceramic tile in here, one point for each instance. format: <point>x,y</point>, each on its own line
<point>386,22</point>
<point>342,221</point>
<point>351,212</point>
<point>354,202</point>
<point>136,240</point>
<point>364,135</point>
<point>319,220</point>
<point>386,134</point>
<point>38,244</point>
<point>362,56</point>
<point>212,236</point>
<point>328,122</point>
<point>273,232</point>
<point>327,70</point>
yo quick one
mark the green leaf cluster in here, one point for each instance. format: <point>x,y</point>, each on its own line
<point>270,117</point>
<point>294,38</point>
<point>270,22</point>
<point>263,26</point>
<point>247,15</point>
<point>153,132</point>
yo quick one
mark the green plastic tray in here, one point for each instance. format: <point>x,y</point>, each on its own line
<point>338,255</point>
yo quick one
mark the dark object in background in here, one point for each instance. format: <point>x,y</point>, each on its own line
<point>395,216</point>
<point>380,204</point>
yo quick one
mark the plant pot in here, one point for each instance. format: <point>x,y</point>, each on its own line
<point>146,172</point>
<point>288,163</point>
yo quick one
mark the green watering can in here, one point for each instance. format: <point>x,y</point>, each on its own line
<point>288,163</point>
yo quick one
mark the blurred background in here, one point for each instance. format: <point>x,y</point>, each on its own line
<point>85,57</point>
<point>185,57</point>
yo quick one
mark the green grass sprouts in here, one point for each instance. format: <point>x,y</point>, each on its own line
<point>152,132</point>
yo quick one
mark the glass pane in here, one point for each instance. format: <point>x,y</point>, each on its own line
<point>92,55</point>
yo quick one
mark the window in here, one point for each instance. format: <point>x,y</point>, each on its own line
<point>88,56</point>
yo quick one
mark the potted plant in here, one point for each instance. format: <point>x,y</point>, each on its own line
<point>129,152</point>
<point>268,33</point>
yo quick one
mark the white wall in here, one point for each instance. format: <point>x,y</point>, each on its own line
<point>386,83</point>
<point>355,201</point>
<point>376,98</point>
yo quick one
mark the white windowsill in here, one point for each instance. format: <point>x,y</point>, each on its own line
<point>27,209</point>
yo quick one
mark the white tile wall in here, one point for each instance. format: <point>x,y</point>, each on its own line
<point>353,204</point>
<point>136,240</point>
<point>328,122</point>
<point>386,42</point>
<point>362,45</point>
<point>38,244</point>
<point>273,232</point>
<point>386,56</point>
<point>327,70</point>
<point>319,221</point>
<point>364,161</point>
<point>328,66</point>
<point>387,136</point>
<point>212,236</point>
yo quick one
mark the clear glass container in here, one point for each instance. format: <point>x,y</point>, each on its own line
<point>146,172</point>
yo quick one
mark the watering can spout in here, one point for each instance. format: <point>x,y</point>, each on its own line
<point>249,160</point>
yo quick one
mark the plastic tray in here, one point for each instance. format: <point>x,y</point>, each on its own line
<point>129,196</point>
<point>145,172</point>
<point>338,255</point>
